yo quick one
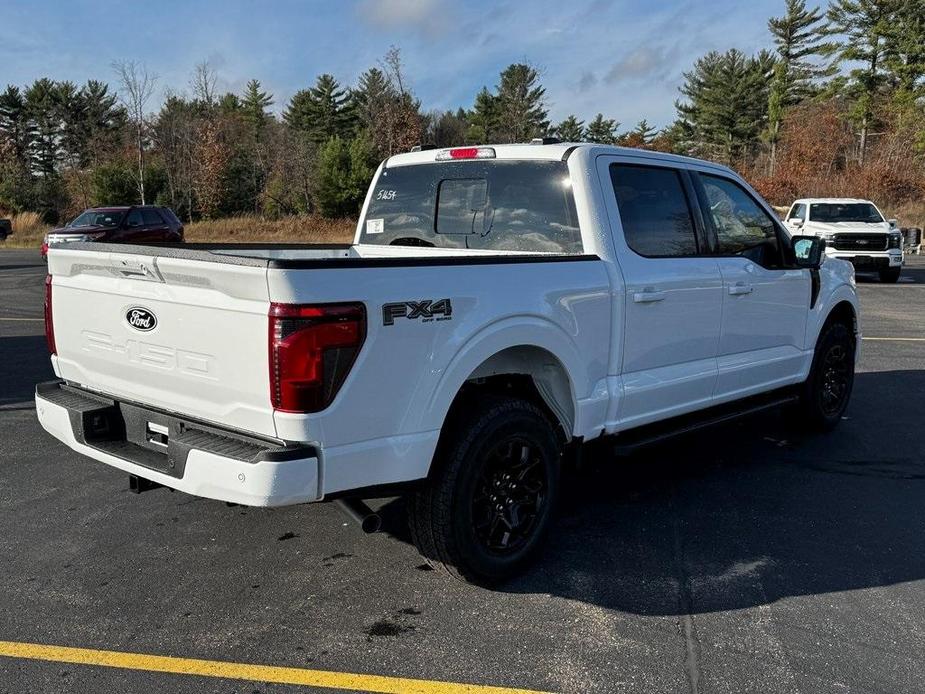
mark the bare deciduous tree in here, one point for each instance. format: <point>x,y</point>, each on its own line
<point>203,83</point>
<point>137,88</point>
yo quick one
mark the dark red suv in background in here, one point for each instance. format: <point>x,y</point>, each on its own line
<point>136,224</point>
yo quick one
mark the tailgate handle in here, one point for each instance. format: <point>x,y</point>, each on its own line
<point>138,270</point>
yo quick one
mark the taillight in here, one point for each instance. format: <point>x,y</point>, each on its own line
<point>49,322</point>
<point>312,349</point>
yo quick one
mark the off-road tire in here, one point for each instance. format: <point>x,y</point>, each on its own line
<point>444,515</point>
<point>825,394</point>
<point>890,275</point>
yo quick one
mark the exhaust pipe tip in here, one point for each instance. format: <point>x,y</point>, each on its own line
<point>369,521</point>
<point>371,524</point>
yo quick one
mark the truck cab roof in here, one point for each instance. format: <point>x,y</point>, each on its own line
<point>834,201</point>
<point>559,151</point>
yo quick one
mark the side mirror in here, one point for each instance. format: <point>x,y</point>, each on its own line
<point>797,222</point>
<point>892,223</point>
<point>808,251</point>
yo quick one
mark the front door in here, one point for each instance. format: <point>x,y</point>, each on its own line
<point>765,302</point>
<point>674,292</point>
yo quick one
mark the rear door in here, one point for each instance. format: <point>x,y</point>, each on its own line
<point>673,290</point>
<point>765,301</point>
<point>182,335</point>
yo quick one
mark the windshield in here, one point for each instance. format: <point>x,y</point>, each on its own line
<point>844,212</point>
<point>99,218</point>
<point>523,206</point>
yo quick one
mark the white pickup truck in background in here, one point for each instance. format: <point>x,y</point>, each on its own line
<point>854,230</point>
<point>499,306</point>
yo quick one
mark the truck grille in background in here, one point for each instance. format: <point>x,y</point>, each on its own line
<point>860,242</point>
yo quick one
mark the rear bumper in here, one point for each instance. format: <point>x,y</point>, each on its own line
<point>197,458</point>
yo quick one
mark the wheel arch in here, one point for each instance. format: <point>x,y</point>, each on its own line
<point>529,372</point>
<point>533,358</point>
<point>843,311</point>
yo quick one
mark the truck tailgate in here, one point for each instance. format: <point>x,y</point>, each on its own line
<point>183,335</point>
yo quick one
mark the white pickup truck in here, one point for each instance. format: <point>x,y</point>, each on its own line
<point>854,230</point>
<point>500,306</point>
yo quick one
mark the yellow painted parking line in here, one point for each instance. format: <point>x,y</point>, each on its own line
<point>895,339</point>
<point>242,671</point>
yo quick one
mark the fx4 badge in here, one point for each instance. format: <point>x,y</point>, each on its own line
<point>426,310</point>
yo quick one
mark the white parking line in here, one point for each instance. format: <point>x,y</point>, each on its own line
<point>895,339</point>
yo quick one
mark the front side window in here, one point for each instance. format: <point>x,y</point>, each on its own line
<point>654,211</point>
<point>103,218</point>
<point>831,213</point>
<point>798,212</point>
<point>742,226</point>
<point>525,206</point>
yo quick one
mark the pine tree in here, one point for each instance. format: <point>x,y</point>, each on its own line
<point>323,111</point>
<point>16,129</point>
<point>860,28</point>
<point>905,50</point>
<point>254,105</point>
<point>449,129</point>
<point>104,119</point>
<point>799,37</point>
<point>521,106</point>
<point>229,103</point>
<point>343,170</point>
<point>371,98</point>
<point>41,107</point>
<point>570,130</point>
<point>644,132</point>
<point>727,103</point>
<point>483,119</point>
<point>602,130</point>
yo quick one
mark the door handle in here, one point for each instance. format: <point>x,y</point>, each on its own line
<point>740,288</point>
<point>648,295</point>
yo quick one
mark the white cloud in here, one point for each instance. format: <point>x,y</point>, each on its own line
<point>427,16</point>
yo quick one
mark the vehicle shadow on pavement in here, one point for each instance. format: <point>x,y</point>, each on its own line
<point>910,275</point>
<point>747,514</point>
<point>23,363</point>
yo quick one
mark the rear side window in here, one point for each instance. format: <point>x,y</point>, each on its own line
<point>151,217</point>
<point>524,206</point>
<point>168,214</point>
<point>654,211</point>
<point>134,218</point>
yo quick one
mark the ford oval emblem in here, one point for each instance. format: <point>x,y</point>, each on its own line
<point>141,319</point>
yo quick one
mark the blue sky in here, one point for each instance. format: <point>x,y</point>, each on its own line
<point>621,58</point>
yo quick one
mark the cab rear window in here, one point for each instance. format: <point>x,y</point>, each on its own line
<point>525,206</point>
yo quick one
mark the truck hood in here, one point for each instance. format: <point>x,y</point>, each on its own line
<point>848,227</point>
<point>79,230</point>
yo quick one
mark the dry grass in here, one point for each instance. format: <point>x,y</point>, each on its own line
<point>255,229</point>
<point>910,214</point>
<point>28,230</point>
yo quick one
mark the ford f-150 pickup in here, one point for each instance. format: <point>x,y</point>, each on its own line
<point>854,230</point>
<point>498,307</point>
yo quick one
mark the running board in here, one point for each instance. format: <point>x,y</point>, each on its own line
<point>632,440</point>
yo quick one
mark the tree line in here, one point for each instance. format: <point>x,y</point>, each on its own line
<point>836,107</point>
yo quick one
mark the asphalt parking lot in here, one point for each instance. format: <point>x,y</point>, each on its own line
<point>750,558</point>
